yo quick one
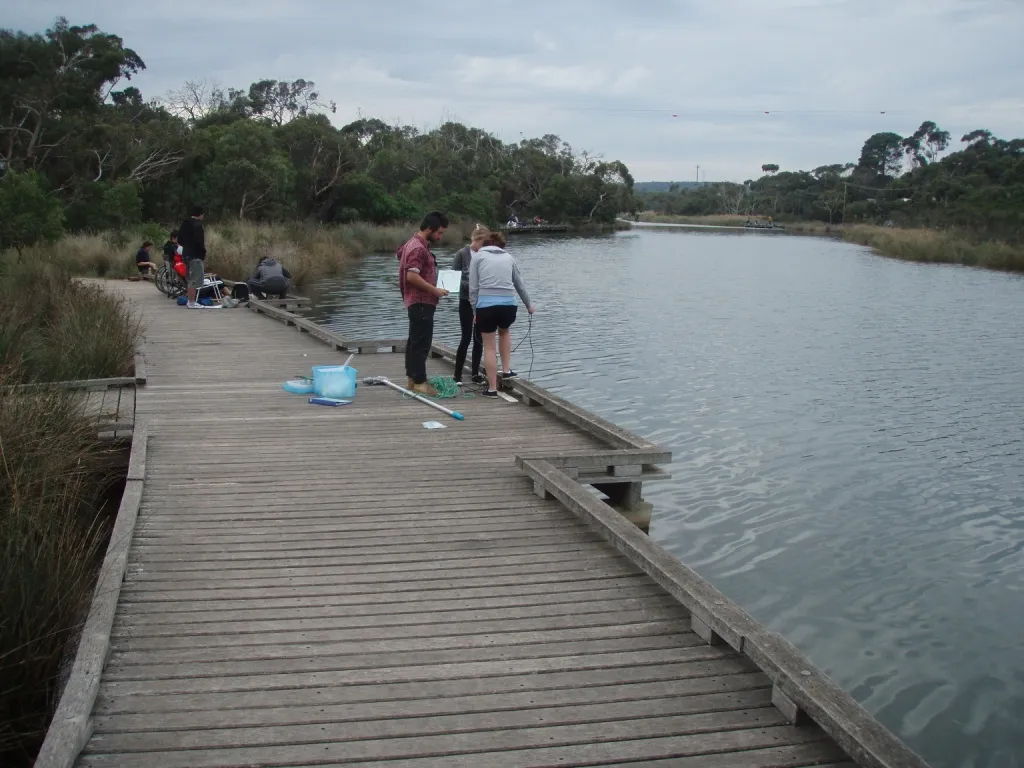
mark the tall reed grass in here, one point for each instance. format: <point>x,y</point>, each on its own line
<point>52,478</point>
<point>55,329</point>
<point>234,249</point>
<point>53,529</point>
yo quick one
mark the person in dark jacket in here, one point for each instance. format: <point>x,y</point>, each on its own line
<point>170,248</point>
<point>469,329</point>
<point>143,260</point>
<point>270,277</point>
<point>192,239</point>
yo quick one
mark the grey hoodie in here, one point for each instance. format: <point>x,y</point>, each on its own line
<point>493,272</point>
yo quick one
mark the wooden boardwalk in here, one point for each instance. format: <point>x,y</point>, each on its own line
<point>340,586</point>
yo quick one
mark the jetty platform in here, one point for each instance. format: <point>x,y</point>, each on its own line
<point>294,585</point>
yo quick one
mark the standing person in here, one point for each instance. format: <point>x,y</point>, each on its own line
<point>417,280</point>
<point>143,260</point>
<point>494,281</point>
<point>469,330</point>
<point>192,239</point>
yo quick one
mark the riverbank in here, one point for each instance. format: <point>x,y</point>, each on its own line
<point>309,252</point>
<point>923,245</point>
<point>57,491</point>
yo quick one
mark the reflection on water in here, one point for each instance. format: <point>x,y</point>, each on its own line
<point>847,433</point>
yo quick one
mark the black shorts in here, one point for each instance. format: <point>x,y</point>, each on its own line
<point>490,319</point>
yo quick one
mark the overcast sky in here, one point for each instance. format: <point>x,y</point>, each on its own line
<point>664,85</point>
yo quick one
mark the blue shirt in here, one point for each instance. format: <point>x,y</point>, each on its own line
<point>495,301</point>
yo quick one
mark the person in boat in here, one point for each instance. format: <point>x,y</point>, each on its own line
<point>269,278</point>
<point>466,318</point>
<point>494,281</point>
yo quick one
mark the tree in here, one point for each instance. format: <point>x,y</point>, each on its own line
<point>769,168</point>
<point>27,213</point>
<point>925,144</point>
<point>882,155</point>
<point>283,101</point>
<point>47,80</point>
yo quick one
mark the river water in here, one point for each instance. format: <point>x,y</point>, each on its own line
<point>848,436</point>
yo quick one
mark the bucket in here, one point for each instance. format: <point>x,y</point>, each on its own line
<point>335,381</point>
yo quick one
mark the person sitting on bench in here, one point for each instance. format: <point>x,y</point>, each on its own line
<point>270,278</point>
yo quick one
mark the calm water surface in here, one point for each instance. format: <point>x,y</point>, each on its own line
<point>848,434</point>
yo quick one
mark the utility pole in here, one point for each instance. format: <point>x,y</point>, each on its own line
<point>698,174</point>
<point>845,186</point>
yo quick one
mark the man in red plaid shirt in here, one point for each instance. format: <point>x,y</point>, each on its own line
<point>417,280</point>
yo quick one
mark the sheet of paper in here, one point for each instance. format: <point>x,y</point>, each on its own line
<point>449,279</point>
<point>433,425</point>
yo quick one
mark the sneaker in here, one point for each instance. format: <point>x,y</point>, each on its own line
<point>459,384</point>
<point>509,374</point>
<point>491,393</point>
<point>194,305</point>
<point>479,378</point>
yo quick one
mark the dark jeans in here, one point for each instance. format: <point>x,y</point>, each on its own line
<point>421,335</point>
<point>468,330</point>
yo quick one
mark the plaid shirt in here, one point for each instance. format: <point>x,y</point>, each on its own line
<point>414,256</point>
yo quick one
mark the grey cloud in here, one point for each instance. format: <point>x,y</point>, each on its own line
<point>608,76</point>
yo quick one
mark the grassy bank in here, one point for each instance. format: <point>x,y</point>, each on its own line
<point>54,329</point>
<point>924,245</point>
<point>309,252</point>
<point>54,483</point>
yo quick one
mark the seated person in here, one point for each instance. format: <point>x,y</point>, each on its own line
<point>142,259</point>
<point>171,247</point>
<point>270,278</point>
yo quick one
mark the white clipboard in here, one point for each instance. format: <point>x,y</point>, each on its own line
<point>449,279</point>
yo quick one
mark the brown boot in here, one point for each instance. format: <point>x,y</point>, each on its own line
<point>409,383</point>
<point>424,389</point>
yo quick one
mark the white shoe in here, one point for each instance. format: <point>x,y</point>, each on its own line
<point>195,306</point>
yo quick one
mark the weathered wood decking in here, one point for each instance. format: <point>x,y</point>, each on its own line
<point>327,586</point>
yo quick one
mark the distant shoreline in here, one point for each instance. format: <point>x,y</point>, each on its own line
<point>933,246</point>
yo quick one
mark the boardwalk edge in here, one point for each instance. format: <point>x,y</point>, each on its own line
<point>71,726</point>
<point>801,688</point>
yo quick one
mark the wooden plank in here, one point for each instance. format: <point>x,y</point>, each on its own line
<point>268,633</point>
<point>71,725</point>
<point>506,643</point>
<point>426,724</point>
<point>404,672</point>
<point>704,732</point>
<point>679,679</point>
<point>695,695</point>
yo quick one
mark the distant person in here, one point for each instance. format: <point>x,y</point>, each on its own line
<point>170,248</point>
<point>192,239</point>
<point>143,260</point>
<point>494,281</point>
<point>466,319</point>
<point>270,277</point>
<point>417,281</point>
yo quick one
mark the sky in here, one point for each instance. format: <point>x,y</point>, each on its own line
<point>663,85</point>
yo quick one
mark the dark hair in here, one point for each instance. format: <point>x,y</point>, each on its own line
<point>197,210</point>
<point>147,243</point>
<point>173,235</point>
<point>496,239</point>
<point>434,221</point>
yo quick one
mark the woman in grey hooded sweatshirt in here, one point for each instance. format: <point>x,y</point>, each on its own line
<point>494,281</point>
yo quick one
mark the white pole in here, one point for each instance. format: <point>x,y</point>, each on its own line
<point>388,383</point>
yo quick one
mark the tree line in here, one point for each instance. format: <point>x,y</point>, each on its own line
<point>905,180</point>
<point>79,137</point>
